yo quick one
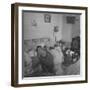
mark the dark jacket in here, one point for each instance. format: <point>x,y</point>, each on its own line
<point>47,63</point>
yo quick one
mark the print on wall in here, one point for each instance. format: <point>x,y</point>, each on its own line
<point>47,18</point>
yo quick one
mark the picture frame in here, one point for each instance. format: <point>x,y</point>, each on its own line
<point>47,18</point>
<point>18,31</point>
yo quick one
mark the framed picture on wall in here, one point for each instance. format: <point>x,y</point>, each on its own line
<point>41,56</point>
<point>47,18</point>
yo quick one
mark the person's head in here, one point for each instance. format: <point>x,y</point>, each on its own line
<point>26,47</point>
<point>60,43</point>
<point>55,46</point>
<point>38,49</point>
<point>45,47</point>
<point>51,48</point>
<point>41,51</point>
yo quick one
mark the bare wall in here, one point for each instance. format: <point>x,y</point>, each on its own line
<point>42,29</point>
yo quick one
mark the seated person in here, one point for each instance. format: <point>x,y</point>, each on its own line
<point>58,59</point>
<point>35,63</point>
<point>27,65</point>
<point>70,57</point>
<point>46,61</point>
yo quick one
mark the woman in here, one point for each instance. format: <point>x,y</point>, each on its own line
<point>58,59</point>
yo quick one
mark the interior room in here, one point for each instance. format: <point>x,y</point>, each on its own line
<point>46,29</point>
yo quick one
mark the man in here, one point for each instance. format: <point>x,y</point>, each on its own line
<point>46,61</point>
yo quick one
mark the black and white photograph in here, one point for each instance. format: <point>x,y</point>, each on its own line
<point>51,49</point>
<point>49,44</point>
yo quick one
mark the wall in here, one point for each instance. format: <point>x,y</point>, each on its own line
<point>42,29</point>
<point>72,30</point>
<point>5,45</point>
<point>76,27</point>
<point>67,30</point>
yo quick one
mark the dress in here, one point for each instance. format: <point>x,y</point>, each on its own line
<point>58,59</point>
